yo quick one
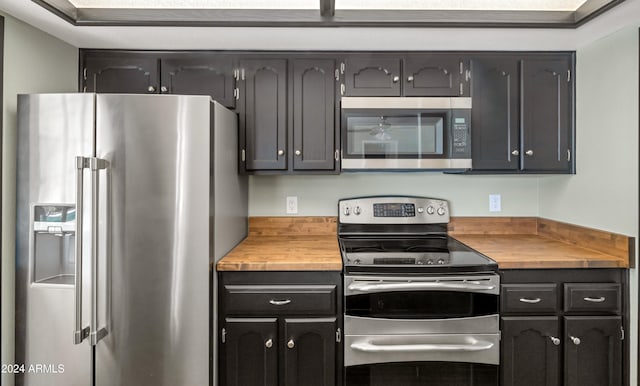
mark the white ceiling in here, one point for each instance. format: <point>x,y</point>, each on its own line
<point>625,14</point>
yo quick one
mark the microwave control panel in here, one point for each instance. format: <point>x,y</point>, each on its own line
<point>460,143</point>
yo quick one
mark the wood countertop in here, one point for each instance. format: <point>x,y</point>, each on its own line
<point>310,244</point>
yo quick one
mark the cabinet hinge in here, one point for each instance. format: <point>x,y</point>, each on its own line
<point>467,76</point>
<point>621,333</point>
<point>236,93</point>
<point>336,156</point>
<point>338,335</point>
<point>568,155</point>
<point>84,89</point>
<point>337,72</point>
<point>236,74</point>
<point>242,74</point>
<point>461,68</point>
<point>342,68</point>
<point>461,89</point>
<point>242,155</point>
<point>224,335</point>
<point>568,75</point>
<point>84,73</point>
<point>342,89</point>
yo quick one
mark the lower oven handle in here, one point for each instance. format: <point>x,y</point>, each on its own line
<point>374,348</point>
<point>369,287</point>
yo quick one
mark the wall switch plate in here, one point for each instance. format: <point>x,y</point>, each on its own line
<point>292,205</point>
<point>495,204</point>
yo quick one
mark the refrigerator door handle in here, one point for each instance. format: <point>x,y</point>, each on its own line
<point>96,164</point>
<point>80,333</point>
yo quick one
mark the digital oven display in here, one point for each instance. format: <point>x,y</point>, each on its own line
<point>394,210</point>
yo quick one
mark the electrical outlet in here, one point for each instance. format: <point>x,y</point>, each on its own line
<point>495,204</point>
<point>292,205</point>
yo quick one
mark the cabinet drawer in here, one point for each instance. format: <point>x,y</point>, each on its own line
<point>529,298</point>
<point>592,297</point>
<point>280,299</point>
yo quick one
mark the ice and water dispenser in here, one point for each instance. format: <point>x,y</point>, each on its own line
<point>54,234</point>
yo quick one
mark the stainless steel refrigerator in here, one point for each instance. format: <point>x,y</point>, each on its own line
<point>123,202</point>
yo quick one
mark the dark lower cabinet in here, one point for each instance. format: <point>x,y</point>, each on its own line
<point>593,351</point>
<point>529,355</point>
<point>251,352</point>
<point>310,351</point>
<point>579,343</point>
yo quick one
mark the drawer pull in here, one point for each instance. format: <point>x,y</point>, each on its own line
<point>595,300</point>
<point>268,343</point>
<point>291,343</point>
<point>554,340</point>
<point>280,302</point>
<point>575,340</point>
<point>530,301</point>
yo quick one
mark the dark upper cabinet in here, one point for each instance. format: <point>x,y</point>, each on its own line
<point>522,115</point>
<point>495,132</point>
<point>593,354</point>
<point>529,355</point>
<point>435,75</point>
<point>263,113</point>
<point>109,72</point>
<point>314,114</point>
<point>546,114</point>
<point>200,74</point>
<point>250,352</point>
<point>372,75</point>
<point>157,72</point>
<point>310,353</point>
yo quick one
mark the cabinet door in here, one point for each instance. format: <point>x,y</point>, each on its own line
<point>529,355</point>
<point>200,74</point>
<point>263,115</point>
<point>310,352</point>
<point>126,73</point>
<point>546,114</point>
<point>313,114</point>
<point>250,352</point>
<point>434,75</point>
<point>593,353</point>
<point>495,140</point>
<point>372,76</point>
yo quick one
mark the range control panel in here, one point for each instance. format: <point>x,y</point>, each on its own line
<point>393,210</point>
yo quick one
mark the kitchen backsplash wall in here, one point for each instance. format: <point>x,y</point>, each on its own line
<point>468,195</point>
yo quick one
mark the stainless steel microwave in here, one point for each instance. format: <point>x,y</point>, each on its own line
<point>406,133</point>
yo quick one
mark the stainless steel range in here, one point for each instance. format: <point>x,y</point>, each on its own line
<point>421,308</point>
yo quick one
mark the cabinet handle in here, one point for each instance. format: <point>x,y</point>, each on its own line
<point>529,152</point>
<point>151,89</point>
<point>268,343</point>
<point>298,152</point>
<point>396,79</point>
<point>530,301</point>
<point>163,89</point>
<point>515,152</point>
<point>410,79</point>
<point>280,152</point>
<point>554,340</point>
<point>575,340</point>
<point>291,343</point>
<point>595,300</point>
<point>280,302</point>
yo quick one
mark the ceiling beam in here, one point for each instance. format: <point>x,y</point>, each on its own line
<point>327,8</point>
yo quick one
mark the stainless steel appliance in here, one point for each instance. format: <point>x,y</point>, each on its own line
<point>421,308</point>
<point>123,202</point>
<point>412,133</point>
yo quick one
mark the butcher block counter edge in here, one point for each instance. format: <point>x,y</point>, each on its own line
<point>310,244</point>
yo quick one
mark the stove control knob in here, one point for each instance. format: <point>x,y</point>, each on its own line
<point>357,210</point>
<point>356,261</point>
<point>441,211</point>
<point>420,209</point>
<point>429,262</point>
<point>440,261</point>
<point>346,211</point>
<point>430,210</point>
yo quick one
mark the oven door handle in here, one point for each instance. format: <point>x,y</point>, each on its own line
<point>377,287</point>
<point>369,347</point>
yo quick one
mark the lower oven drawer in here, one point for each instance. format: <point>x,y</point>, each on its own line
<point>470,348</point>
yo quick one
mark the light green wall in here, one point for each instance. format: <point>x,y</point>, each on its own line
<point>604,192</point>
<point>34,62</point>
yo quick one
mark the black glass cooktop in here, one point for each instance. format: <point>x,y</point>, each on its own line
<point>433,253</point>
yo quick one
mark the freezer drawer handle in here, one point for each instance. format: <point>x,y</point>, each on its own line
<point>80,333</point>
<point>374,348</point>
